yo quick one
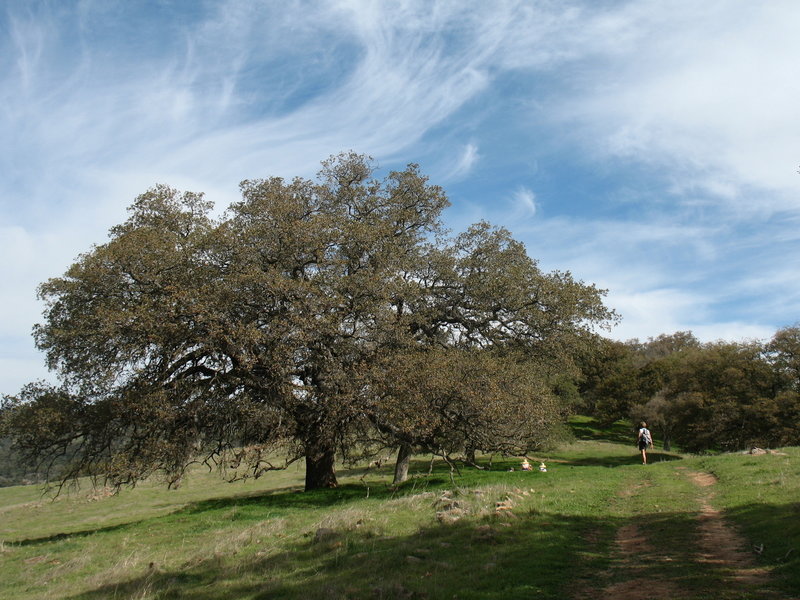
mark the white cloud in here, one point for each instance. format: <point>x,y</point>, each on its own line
<point>465,162</point>
<point>732,331</point>
<point>703,91</point>
<point>650,313</point>
<point>664,276</point>
<point>664,311</point>
<point>524,202</point>
<point>631,253</point>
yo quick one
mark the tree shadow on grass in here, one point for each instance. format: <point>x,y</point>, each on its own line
<point>275,502</point>
<point>279,501</point>
<point>288,499</point>
<point>620,432</point>
<point>774,532</point>
<point>73,534</point>
<point>623,460</point>
<point>530,555</point>
<point>245,499</point>
<point>378,487</point>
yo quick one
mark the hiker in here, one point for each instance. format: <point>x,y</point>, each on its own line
<point>644,440</point>
<point>526,466</point>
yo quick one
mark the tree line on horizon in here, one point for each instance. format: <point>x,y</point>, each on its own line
<point>720,396</point>
<point>336,318</point>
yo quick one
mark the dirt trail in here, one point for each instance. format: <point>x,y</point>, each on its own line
<point>635,556</point>
<point>638,561</point>
<point>633,560</point>
<point>720,545</point>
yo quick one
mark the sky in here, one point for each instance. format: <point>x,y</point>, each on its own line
<point>649,147</point>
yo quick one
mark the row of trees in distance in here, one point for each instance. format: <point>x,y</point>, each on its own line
<point>702,396</point>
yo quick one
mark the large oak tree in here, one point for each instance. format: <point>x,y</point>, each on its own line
<point>312,318</point>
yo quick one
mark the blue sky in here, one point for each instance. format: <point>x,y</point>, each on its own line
<point>650,147</point>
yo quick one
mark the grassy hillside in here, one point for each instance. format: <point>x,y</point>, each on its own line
<point>595,522</point>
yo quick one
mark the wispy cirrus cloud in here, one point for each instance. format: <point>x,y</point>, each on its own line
<point>524,202</point>
<point>664,134</point>
<point>462,164</point>
<point>704,92</point>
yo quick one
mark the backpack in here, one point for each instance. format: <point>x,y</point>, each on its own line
<point>646,436</point>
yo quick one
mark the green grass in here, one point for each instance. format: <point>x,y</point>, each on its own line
<point>210,540</point>
<point>761,494</point>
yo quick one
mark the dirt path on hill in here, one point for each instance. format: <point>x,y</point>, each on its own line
<point>721,546</point>
<point>632,573</point>
<point>634,561</point>
<point>639,562</point>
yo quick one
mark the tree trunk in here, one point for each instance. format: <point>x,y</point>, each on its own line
<point>469,455</point>
<point>401,466</point>
<point>320,467</point>
<point>667,444</point>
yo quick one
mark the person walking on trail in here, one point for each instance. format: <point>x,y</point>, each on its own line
<point>644,440</point>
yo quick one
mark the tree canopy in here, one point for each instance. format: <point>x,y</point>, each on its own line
<point>314,317</point>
